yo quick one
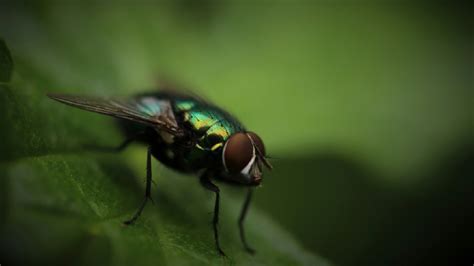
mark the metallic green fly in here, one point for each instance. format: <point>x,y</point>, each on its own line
<point>187,134</point>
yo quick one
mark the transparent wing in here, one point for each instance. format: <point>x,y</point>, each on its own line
<point>156,114</point>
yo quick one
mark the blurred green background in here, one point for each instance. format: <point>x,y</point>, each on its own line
<point>365,106</point>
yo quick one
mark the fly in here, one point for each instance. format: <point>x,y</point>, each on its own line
<point>187,134</point>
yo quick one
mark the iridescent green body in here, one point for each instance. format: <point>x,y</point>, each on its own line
<point>206,127</point>
<point>187,134</point>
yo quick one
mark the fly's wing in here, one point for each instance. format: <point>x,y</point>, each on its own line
<point>150,111</point>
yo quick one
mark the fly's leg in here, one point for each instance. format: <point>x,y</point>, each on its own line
<point>147,190</point>
<point>243,213</point>
<point>117,149</point>
<point>206,183</point>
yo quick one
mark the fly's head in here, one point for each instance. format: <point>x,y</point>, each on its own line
<point>243,157</point>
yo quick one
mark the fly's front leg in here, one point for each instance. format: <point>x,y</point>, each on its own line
<point>243,213</point>
<point>206,183</point>
<point>147,190</point>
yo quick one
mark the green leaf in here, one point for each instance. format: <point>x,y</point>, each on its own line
<point>6,63</point>
<point>61,204</point>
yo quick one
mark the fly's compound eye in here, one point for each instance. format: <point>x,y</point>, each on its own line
<point>258,142</point>
<point>238,152</point>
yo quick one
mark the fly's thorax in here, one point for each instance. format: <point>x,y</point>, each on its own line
<point>208,128</point>
<point>242,158</point>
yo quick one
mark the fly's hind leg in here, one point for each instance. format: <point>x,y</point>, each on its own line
<point>206,183</point>
<point>118,148</point>
<point>147,190</point>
